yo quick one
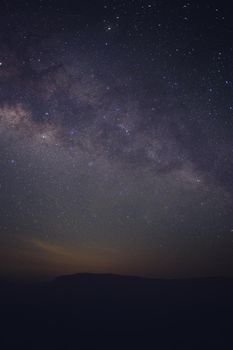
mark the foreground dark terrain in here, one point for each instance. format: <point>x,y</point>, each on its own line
<point>73,311</point>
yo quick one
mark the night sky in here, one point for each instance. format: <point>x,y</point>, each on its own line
<point>116,147</point>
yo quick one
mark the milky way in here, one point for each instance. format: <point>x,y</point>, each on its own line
<point>116,139</point>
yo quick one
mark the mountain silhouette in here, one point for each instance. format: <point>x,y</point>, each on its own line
<point>67,308</point>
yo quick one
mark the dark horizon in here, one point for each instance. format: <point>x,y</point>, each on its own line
<point>38,279</point>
